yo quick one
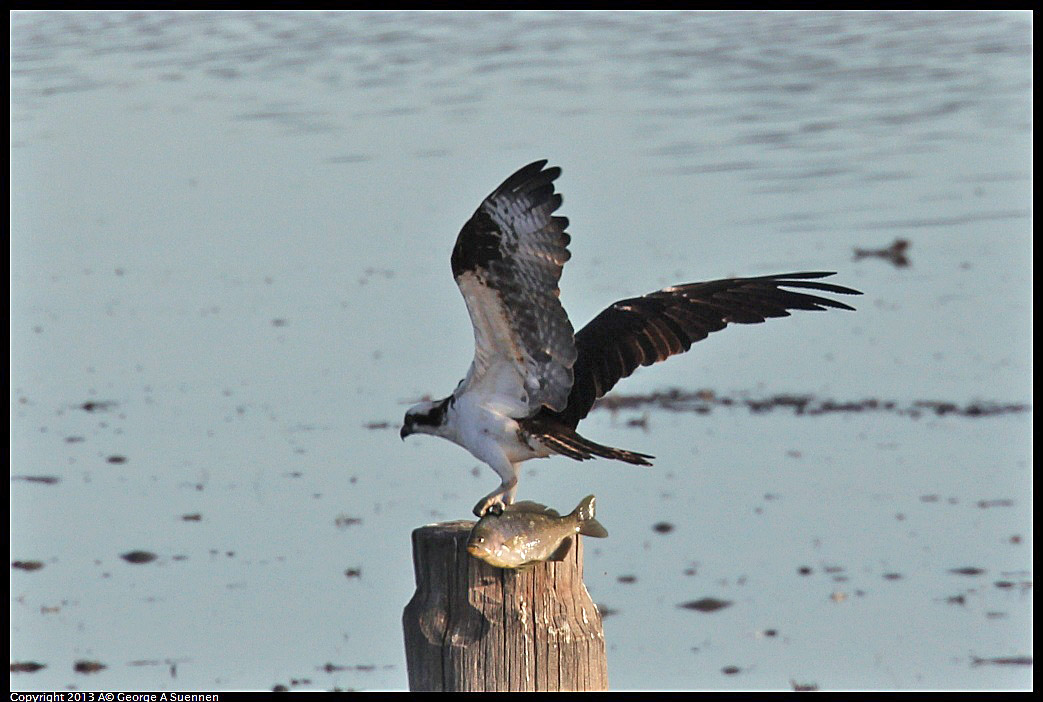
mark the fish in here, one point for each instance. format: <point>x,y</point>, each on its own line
<point>527,533</point>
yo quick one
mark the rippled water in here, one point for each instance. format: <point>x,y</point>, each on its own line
<point>230,236</point>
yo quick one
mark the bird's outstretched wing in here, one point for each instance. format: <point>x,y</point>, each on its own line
<point>507,262</point>
<point>644,330</point>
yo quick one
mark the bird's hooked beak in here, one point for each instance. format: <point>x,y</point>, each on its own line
<point>406,430</point>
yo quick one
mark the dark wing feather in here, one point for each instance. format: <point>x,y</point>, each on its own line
<point>644,330</point>
<point>507,262</point>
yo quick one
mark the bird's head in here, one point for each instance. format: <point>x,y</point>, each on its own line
<point>425,418</point>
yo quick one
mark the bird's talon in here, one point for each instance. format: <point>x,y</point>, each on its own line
<point>486,506</point>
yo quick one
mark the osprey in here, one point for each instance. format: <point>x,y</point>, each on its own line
<point>532,379</point>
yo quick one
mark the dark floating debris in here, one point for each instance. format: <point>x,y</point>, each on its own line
<point>995,503</point>
<point>89,666</point>
<point>97,406</point>
<point>197,517</point>
<point>803,687</point>
<point>804,570</point>
<point>731,670</point>
<point>172,664</point>
<point>353,572</point>
<point>606,611</point>
<point>26,666</point>
<point>45,479</point>
<point>626,579</point>
<point>1021,585</point>
<point>378,425</point>
<point>361,668</point>
<point>639,422</point>
<point>1007,660</point>
<point>704,401</point>
<point>893,254</point>
<point>139,557</point>
<point>345,521</point>
<point>27,565</point>
<point>116,459</point>
<point>969,570</point>
<point>662,527</point>
<point>706,604</point>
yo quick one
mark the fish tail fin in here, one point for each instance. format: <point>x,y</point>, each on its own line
<point>588,525</point>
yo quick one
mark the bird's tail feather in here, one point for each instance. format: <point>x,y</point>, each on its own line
<point>569,443</point>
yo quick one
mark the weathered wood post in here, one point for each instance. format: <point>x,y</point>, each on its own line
<point>473,627</point>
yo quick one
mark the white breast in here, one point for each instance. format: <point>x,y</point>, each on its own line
<point>487,431</point>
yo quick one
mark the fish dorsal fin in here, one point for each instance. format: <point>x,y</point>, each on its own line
<point>533,507</point>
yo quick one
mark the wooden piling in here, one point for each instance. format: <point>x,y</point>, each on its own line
<point>473,627</point>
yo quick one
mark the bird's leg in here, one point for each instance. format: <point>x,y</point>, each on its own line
<point>497,500</point>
